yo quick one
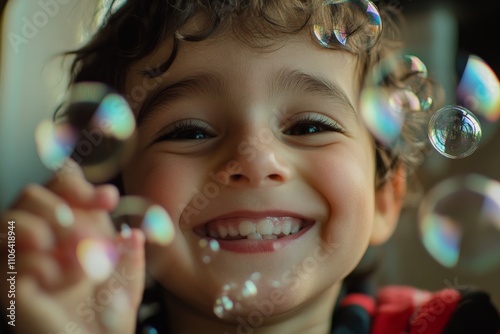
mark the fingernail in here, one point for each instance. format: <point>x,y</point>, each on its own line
<point>125,231</point>
<point>64,215</point>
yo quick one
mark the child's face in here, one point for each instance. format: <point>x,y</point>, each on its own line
<point>282,131</point>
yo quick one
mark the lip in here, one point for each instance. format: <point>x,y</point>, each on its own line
<point>256,246</point>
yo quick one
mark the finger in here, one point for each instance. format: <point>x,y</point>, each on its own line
<point>32,233</point>
<point>41,313</point>
<point>132,267</point>
<point>41,202</point>
<point>42,267</point>
<point>71,185</point>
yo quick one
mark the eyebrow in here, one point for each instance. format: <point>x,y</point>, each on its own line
<point>290,80</point>
<point>212,84</point>
<point>209,84</point>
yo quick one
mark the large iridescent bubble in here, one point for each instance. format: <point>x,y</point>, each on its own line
<point>95,127</point>
<point>459,222</point>
<point>479,89</point>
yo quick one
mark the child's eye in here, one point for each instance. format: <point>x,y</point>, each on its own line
<point>190,129</point>
<point>312,124</point>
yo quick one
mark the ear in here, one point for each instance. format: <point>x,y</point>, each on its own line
<point>389,200</point>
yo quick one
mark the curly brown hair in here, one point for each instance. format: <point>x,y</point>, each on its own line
<point>137,28</point>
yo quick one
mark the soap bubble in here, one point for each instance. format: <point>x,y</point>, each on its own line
<point>97,258</point>
<point>479,89</point>
<point>236,298</point>
<point>356,24</point>
<point>459,222</point>
<point>208,248</point>
<point>395,89</point>
<point>95,127</point>
<point>454,132</point>
<point>138,212</point>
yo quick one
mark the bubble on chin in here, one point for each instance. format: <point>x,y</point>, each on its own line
<point>454,132</point>
<point>95,127</point>
<point>236,298</point>
<point>208,249</point>
<point>459,223</point>
<point>138,212</point>
<point>356,24</point>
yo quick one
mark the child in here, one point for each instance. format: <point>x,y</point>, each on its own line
<point>249,134</point>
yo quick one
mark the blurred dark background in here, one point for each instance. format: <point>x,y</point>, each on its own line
<point>439,33</point>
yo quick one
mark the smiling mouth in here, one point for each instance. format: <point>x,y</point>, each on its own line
<point>268,228</point>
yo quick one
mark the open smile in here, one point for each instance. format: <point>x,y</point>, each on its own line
<point>250,233</point>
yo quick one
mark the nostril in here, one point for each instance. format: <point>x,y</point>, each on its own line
<point>236,177</point>
<point>276,177</point>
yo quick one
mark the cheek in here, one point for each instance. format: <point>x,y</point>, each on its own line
<point>345,179</point>
<point>169,182</point>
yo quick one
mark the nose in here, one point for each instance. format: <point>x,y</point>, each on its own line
<point>259,161</point>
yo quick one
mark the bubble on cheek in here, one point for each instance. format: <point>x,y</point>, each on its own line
<point>152,219</point>
<point>236,298</point>
<point>459,222</point>
<point>454,132</point>
<point>356,24</point>
<point>97,258</point>
<point>208,249</point>
<point>95,127</point>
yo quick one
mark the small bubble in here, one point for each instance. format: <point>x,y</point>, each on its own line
<point>454,132</point>
<point>97,258</point>
<point>209,247</point>
<point>140,213</point>
<point>356,24</point>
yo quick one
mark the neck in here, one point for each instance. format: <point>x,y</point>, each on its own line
<point>313,318</point>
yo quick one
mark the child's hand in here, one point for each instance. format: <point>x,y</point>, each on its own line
<point>53,292</point>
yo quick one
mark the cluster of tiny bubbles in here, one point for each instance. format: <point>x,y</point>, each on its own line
<point>396,87</point>
<point>479,91</point>
<point>97,258</point>
<point>459,223</point>
<point>208,247</point>
<point>353,24</point>
<point>95,126</point>
<point>141,213</point>
<point>236,297</point>
<point>454,132</point>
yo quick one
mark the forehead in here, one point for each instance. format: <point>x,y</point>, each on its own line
<point>248,66</point>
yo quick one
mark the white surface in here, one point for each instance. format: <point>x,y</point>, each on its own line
<point>32,81</point>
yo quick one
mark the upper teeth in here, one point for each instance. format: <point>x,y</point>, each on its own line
<point>266,228</point>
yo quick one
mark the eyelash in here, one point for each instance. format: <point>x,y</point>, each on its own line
<point>172,132</point>
<point>323,122</point>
